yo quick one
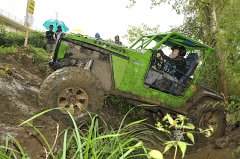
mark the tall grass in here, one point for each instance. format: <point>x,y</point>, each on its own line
<point>12,149</point>
<point>95,141</point>
<point>92,141</point>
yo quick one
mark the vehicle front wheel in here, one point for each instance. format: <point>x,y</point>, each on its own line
<point>73,89</point>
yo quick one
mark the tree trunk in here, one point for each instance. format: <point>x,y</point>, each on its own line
<point>213,32</point>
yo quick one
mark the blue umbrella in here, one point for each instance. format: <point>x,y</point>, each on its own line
<point>55,24</point>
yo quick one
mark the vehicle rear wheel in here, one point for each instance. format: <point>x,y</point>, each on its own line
<point>211,113</point>
<point>73,89</point>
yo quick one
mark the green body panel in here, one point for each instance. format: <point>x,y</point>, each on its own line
<point>120,50</point>
<point>62,50</point>
<point>133,82</point>
<point>119,67</point>
<point>130,65</point>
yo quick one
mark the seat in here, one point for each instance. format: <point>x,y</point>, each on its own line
<point>192,61</point>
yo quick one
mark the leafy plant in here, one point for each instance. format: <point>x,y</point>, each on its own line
<point>180,133</point>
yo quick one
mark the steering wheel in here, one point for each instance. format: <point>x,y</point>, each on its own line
<point>158,60</point>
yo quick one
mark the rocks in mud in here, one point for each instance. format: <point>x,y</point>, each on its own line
<point>19,96</point>
<point>223,142</point>
<point>231,140</point>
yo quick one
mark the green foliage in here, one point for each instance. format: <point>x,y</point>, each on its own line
<point>39,55</point>
<point>133,32</point>
<point>233,110</point>
<point>8,39</point>
<point>229,42</point>
<point>37,39</point>
<point>94,141</point>
<point>123,106</point>
<point>12,149</point>
<point>179,125</point>
<point>8,50</point>
<point>91,141</point>
<point>236,152</point>
<point>177,5</point>
<point>209,71</point>
<point>179,131</point>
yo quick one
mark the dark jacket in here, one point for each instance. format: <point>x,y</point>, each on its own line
<point>50,35</point>
<point>178,64</point>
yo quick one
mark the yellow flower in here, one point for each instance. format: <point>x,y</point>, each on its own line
<point>6,68</point>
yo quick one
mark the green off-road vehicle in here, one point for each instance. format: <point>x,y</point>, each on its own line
<point>87,69</point>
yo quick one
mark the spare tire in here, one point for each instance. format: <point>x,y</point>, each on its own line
<point>73,89</point>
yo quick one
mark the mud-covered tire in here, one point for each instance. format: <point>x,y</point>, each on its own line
<point>81,83</point>
<point>211,112</point>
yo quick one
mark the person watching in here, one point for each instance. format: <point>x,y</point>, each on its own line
<point>97,36</point>
<point>51,39</point>
<point>117,40</point>
<point>59,33</point>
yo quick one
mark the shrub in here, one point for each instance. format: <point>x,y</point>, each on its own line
<point>8,50</point>
<point>236,152</point>
<point>233,110</point>
<point>8,39</point>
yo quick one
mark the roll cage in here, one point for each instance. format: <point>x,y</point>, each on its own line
<point>160,74</point>
<point>168,39</point>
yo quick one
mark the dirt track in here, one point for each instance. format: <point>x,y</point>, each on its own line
<point>19,88</point>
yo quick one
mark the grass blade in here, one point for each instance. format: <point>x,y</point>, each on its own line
<point>44,139</point>
<point>24,155</point>
<point>3,156</point>
<point>131,149</point>
<point>90,132</point>
<point>65,145</point>
<point>36,116</point>
<point>77,137</point>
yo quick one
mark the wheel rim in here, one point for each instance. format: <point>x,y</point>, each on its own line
<point>209,119</point>
<point>73,99</point>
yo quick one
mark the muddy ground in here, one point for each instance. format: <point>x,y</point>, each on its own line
<point>20,80</point>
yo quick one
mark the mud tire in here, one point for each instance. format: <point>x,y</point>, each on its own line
<point>65,78</point>
<point>211,111</point>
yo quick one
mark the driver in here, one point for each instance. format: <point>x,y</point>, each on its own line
<point>175,66</point>
<point>176,61</point>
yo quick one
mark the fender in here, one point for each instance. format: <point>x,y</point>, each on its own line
<point>208,94</point>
